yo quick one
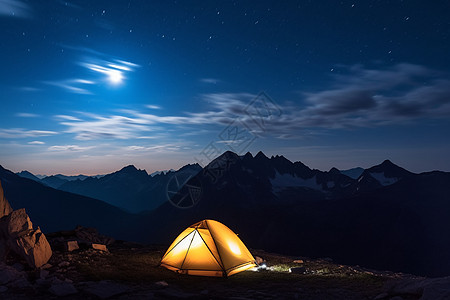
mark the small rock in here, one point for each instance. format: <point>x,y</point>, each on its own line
<point>398,298</point>
<point>43,274</point>
<point>9,274</point>
<point>204,292</point>
<point>20,283</point>
<point>63,289</point>
<point>64,264</point>
<point>71,246</point>
<point>41,281</point>
<point>105,289</point>
<point>162,283</point>
<point>298,261</point>
<point>3,288</point>
<point>298,270</point>
<point>381,296</point>
<point>176,294</point>
<point>18,266</point>
<point>99,247</point>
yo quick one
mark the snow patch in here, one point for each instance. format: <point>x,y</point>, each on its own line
<point>383,180</point>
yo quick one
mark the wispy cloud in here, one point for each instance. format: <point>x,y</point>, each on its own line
<point>66,118</point>
<point>109,127</point>
<point>36,143</point>
<point>155,148</point>
<point>76,86</point>
<point>361,98</point>
<point>27,115</point>
<point>113,70</point>
<point>153,106</point>
<point>15,8</point>
<point>101,68</point>
<point>24,133</point>
<point>210,80</point>
<point>69,148</point>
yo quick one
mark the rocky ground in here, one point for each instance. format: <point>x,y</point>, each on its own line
<point>130,271</point>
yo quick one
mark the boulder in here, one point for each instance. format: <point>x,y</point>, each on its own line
<point>91,235</point>
<point>71,246</point>
<point>5,208</point>
<point>33,247</point>
<point>99,247</point>
<point>17,223</point>
<point>17,234</point>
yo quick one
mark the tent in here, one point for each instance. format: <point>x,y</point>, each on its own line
<point>208,248</point>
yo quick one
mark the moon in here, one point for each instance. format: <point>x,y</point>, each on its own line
<point>115,77</point>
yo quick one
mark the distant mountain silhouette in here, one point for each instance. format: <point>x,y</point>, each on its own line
<point>353,172</point>
<point>384,218</point>
<point>57,210</point>
<point>29,175</point>
<point>286,207</point>
<point>129,188</point>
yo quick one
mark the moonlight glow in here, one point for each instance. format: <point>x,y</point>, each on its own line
<point>115,77</point>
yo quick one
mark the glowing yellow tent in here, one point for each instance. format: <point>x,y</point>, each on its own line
<point>208,248</point>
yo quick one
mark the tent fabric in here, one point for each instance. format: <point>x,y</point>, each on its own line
<point>208,248</point>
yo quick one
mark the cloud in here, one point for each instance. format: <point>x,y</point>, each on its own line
<point>359,97</point>
<point>76,86</point>
<point>27,115</point>
<point>155,148</point>
<point>153,106</point>
<point>23,133</point>
<point>67,118</point>
<point>15,8</point>
<point>113,70</point>
<point>210,80</point>
<point>367,97</point>
<point>109,127</point>
<point>69,148</point>
<point>36,143</point>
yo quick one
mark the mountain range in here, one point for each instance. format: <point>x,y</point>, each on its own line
<point>383,217</point>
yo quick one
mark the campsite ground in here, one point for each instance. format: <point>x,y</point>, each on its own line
<point>128,271</point>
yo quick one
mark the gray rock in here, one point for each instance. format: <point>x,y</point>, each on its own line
<point>43,274</point>
<point>432,288</point>
<point>18,266</point>
<point>64,264</point>
<point>162,283</point>
<point>437,289</point>
<point>20,283</point>
<point>105,289</point>
<point>63,289</point>
<point>381,296</point>
<point>177,294</point>
<point>9,274</point>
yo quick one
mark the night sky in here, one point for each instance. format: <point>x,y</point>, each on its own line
<point>91,86</point>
